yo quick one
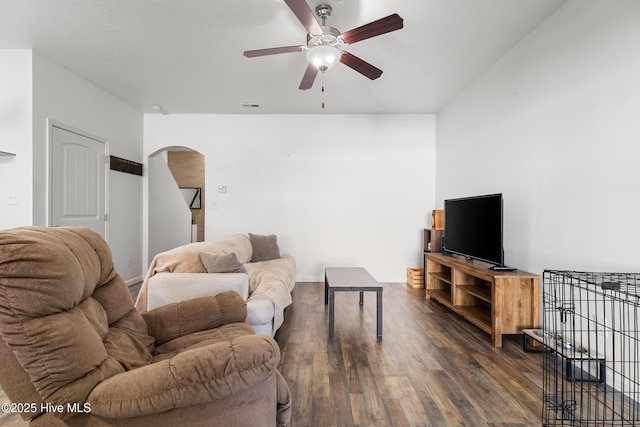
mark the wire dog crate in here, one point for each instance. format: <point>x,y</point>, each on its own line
<point>591,360</point>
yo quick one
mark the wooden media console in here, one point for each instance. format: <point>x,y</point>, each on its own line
<point>497,302</point>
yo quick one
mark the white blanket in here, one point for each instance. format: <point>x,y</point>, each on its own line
<point>273,280</point>
<point>186,259</point>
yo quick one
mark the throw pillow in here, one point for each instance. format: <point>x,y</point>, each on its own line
<point>216,263</point>
<point>264,247</point>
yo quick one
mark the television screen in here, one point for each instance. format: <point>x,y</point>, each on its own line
<point>473,227</point>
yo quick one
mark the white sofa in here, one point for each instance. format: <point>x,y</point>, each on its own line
<point>179,274</point>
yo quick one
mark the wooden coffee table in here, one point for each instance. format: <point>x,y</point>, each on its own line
<point>342,279</point>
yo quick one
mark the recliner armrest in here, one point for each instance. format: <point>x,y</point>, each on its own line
<point>193,377</point>
<point>193,315</point>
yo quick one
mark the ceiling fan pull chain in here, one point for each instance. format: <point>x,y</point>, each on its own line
<point>322,90</point>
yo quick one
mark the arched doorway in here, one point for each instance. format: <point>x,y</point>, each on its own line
<point>174,218</point>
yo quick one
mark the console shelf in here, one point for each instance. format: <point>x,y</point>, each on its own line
<point>443,296</point>
<point>445,277</point>
<point>481,292</point>
<point>496,302</point>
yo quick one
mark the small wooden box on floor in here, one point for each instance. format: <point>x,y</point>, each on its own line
<point>415,277</point>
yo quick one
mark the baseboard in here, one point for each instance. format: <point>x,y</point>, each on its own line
<point>134,281</point>
<point>316,279</point>
<point>310,279</point>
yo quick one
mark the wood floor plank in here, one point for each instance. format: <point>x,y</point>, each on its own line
<point>350,365</point>
<point>374,407</point>
<point>340,401</point>
<point>359,409</point>
<point>409,401</point>
<point>322,411</point>
<point>320,375</point>
<point>394,411</point>
<point>516,397</point>
<point>478,387</point>
<point>304,389</point>
<point>451,400</point>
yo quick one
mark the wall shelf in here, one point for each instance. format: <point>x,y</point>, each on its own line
<point>4,153</point>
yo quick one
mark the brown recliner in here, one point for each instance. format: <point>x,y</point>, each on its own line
<point>74,351</point>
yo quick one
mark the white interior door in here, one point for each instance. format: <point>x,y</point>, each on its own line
<point>78,181</point>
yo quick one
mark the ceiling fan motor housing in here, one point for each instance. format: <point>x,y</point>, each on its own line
<point>330,37</point>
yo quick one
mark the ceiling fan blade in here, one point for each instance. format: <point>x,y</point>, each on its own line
<point>308,78</point>
<point>360,66</point>
<point>272,51</point>
<point>301,9</point>
<point>375,28</point>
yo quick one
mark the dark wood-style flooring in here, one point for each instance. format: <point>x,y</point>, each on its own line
<point>431,368</point>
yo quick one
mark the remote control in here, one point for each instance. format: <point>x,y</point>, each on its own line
<point>502,268</point>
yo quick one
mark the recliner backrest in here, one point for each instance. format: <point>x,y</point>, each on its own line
<point>67,320</point>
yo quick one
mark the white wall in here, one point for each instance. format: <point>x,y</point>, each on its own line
<point>170,217</point>
<point>555,126</point>
<point>15,137</point>
<point>63,96</point>
<point>337,190</point>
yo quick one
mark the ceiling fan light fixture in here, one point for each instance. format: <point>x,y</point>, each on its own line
<point>325,44</point>
<point>323,57</point>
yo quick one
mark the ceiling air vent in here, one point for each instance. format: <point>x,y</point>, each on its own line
<point>250,105</point>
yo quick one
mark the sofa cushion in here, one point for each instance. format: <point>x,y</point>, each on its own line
<point>219,263</point>
<point>264,247</point>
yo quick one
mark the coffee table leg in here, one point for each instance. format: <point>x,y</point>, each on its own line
<point>326,289</point>
<point>379,314</point>
<point>361,298</point>
<point>331,311</point>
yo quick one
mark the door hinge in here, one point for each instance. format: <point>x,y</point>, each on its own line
<point>106,217</point>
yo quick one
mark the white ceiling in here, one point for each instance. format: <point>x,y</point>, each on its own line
<point>187,54</point>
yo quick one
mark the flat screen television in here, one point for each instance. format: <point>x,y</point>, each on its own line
<point>473,228</point>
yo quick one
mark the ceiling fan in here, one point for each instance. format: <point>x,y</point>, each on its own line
<point>325,44</point>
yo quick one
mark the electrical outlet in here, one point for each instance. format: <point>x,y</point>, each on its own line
<point>129,262</point>
<point>12,199</point>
